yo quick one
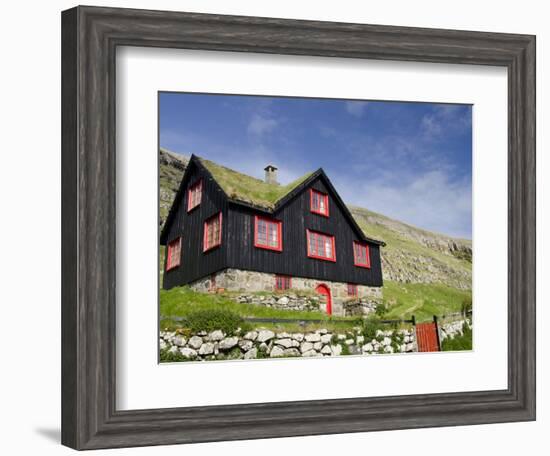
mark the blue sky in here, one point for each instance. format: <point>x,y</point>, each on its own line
<point>409,161</point>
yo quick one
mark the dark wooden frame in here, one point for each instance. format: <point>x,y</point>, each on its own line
<point>89,39</point>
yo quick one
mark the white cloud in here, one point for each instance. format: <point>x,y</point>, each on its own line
<point>444,119</point>
<point>356,108</point>
<point>431,200</point>
<point>260,125</point>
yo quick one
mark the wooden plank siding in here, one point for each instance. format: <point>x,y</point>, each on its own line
<point>238,251</point>
<point>293,260</point>
<point>195,263</point>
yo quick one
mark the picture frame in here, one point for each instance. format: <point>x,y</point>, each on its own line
<point>90,36</point>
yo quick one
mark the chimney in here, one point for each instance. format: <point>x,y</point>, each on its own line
<point>271,174</point>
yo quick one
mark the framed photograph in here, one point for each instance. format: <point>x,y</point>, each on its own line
<point>279,228</point>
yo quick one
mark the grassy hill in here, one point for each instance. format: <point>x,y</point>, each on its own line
<point>425,273</point>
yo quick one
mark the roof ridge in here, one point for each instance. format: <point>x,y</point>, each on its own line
<point>242,187</point>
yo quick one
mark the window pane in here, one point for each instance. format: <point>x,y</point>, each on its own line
<point>273,235</point>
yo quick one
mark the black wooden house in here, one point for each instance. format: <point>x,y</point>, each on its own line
<point>297,235</point>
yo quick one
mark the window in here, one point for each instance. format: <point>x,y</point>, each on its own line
<point>352,289</point>
<point>194,195</point>
<point>361,255</point>
<point>319,202</point>
<point>173,256</point>
<point>268,233</point>
<point>320,246</point>
<point>282,282</point>
<point>212,232</point>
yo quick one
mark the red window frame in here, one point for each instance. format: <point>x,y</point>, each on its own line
<point>283,282</point>
<point>196,187</point>
<point>173,254</point>
<point>352,289</point>
<point>321,195</point>
<point>268,221</point>
<point>312,254</point>
<point>215,242</point>
<point>357,256</point>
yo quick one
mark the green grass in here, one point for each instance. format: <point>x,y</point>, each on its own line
<point>184,302</point>
<point>180,301</point>
<point>422,300</point>
<point>249,189</point>
<point>459,343</point>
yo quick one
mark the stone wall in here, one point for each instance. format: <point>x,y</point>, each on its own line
<point>252,281</point>
<point>264,343</point>
<point>285,301</point>
<point>360,307</point>
<point>450,329</point>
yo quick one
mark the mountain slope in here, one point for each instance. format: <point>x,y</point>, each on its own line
<point>412,255</point>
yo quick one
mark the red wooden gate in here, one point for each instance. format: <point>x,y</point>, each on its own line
<point>427,338</point>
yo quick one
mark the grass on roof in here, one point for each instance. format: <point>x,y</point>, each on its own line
<point>248,189</point>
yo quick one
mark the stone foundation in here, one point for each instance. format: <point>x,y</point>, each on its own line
<point>284,301</point>
<point>251,281</point>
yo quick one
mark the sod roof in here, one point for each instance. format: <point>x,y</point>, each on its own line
<point>248,189</point>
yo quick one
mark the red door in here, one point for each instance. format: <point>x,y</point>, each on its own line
<point>426,337</point>
<point>324,290</point>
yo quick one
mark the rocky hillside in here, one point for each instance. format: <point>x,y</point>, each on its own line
<point>412,255</point>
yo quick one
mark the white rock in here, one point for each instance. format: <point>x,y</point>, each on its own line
<point>246,345</point>
<point>251,354</point>
<point>265,335</point>
<point>188,353</point>
<point>283,301</point>
<point>388,349</point>
<point>173,349</point>
<point>349,342</point>
<point>206,349</point>
<point>379,333</point>
<point>263,347</point>
<point>360,339</point>
<point>162,344</point>
<point>298,336</point>
<point>195,342</point>
<point>386,341</point>
<point>180,341</point>
<point>310,353</point>
<point>341,337</point>
<point>325,338</point>
<point>292,352</point>
<point>306,346</point>
<point>251,335</point>
<point>313,337</point>
<point>216,335</point>
<point>410,347</point>
<point>228,342</point>
<point>283,335</point>
<point>336,350</point>
<point>318,345</point>
<point>322,331</point>
<point>403,348</point>
<point>368,348</point>
<point>287,343</point>
<point>326,350</point>
<point>276,352</point>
